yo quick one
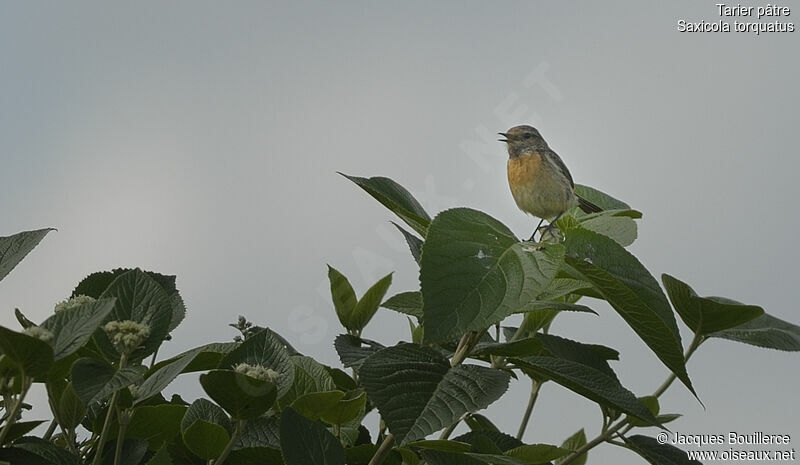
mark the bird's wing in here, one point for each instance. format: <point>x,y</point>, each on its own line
<point>556,160</point>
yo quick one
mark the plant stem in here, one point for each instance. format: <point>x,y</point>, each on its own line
<point>124,418</point>
<point>696,341</point>
<point>449,430</point>
<point>600,438</point>
<point>50,430</point>
<point>98,455</point>
<point>234,437</point>
<point>383,450</point>
<point>529,409</point>
<point>25,383</point>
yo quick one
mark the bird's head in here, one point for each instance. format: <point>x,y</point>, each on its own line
<point>522,139</point>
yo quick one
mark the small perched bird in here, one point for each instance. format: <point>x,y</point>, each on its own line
<point>539,180</point>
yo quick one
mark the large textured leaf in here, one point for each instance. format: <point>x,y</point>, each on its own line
<point>656,453</point>
<point>409,303</point>
<point>160,378</point>
<point>203,409</point>
<point>309,376</point>
<point>156,424</point>
<point>633,292</point>
<point>354,350</point>
<point>474,272</point>
<point>418,393</point>
<point>94,381</point>
<point>414,243</point>
<point>573,443</point>
<point>342,294</point>
<point>73,327</point>
<point>30,354</point>
<point>140,298</point>
<point>242,396</point>
<point>14,248</point>
<point>266,350</point>
<point>765,331</point>
<point>616,224</point>
<point>707,314</point>
<point>208,357</point>
<point>305,442</point>
<point>205,440</point>
<point>397,199</point>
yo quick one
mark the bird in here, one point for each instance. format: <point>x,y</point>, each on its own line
<point>539,180</point>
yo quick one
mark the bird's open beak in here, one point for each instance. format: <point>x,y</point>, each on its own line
<point>504,135</point>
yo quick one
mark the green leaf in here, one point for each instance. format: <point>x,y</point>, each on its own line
<point>478,422</point>
<point>559,287</point>
<point>163,375</point>
<point>632,292</point>
<point>71,408</point>
<point>14,248</point>
<point>354,350</point>
<point>501,441</point>
<point>706,314</point>
<point>242,396</point>
<point>656,453</point>
<point>36,451</point>
<point>205,440</point>
<point>520,348</point>
<point>161,457</point>
<point>765,331</point>
<point>397,199</point>
<point>537,453</point>
<point>264,349</point>
<point>94,381</point>
<point>651,402</point>
<point>141,299</point>
<point>408,303</point>
<point>260,432</point>
<point>588,381</point>
<point>540,313</point>
<point>23,320</point>
<point>341,380</point>
<point>309,376</point>
<point>73,327</point>
<point>418,393</point>
<point>19,429</point>
<point>615,224</point>
<point>436,457</point>
<point>343,295</point>
<point>204,409</point>
<point>440,444</point>
<point>573,443</point>
<point>156,424</point>
<point>347,409</point>
<point>368,303</point>
<point>305,442</point>
<point>414,243</point>
<point>474,272</point>
<point>208,357</point>
<point>314,404</point>
<point>30,354</point>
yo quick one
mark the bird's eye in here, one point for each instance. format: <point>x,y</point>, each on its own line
<point>527,135</point>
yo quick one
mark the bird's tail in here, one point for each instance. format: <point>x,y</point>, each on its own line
<point>587,206</point>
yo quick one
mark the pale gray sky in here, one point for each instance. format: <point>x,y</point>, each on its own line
<point>201,139</point>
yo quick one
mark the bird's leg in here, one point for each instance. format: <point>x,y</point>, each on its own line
<point>551,224</point>
<point>537,229</point>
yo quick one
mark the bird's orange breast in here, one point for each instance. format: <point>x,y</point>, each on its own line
<point>524,170</point>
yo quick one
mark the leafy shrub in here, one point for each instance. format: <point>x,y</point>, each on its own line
<point>97,355</point>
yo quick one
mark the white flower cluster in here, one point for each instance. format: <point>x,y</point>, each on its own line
<point>257,372</point>
<point>73,302</point>
<point>126,335</point>
<point>39,333</point>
